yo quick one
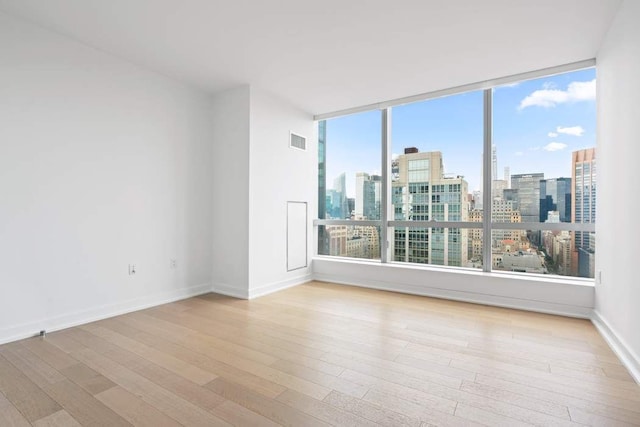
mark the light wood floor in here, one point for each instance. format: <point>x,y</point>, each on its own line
<point>318,354</point>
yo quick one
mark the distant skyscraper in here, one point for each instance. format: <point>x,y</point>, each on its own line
<point>583,202</point>
<point>507,176</point>
<point>340,203</point>
<point>368,192</point>
<point>527,195</point>
<point>422,193</point>
<point>351,206</point>
<point>555,195</point>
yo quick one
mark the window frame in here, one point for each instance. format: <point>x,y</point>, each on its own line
<point>487,225</point>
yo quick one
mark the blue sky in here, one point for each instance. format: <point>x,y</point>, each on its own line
<point>536,126</point>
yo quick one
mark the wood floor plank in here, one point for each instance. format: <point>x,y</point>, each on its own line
<point>326,380</point>
<point>133,409</point>
<point>9,414</point>
<point>598,408</point>
<point>31,365</point>
<point>323,411</point>
<point>591,419</point>
<point>584,390</point>
<point>167,361</point>
<point>174,406</point>
<point>372,365</point>
<point>82,406</point>
<point>257,337</point>
<point>186,349</point>
<point>240,416</point>
<point>319,354</point>
<point>185,389</point>
<point>59,419</point>
<point>425,412</point>
<point>90,380</point>
<point>272,409</point>
<point>203,344</point>
<point>479,415</point>
<point>26,396</point>
<point>525,410</point>
<point>524,401</point>
<point>395,385</point>
<point>49,354</point>
<point>378,414</point>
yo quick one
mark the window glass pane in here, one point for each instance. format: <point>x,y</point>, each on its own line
<point>436,245</point>
<point>512,250</point>
<point>352,159</point>
<point>543,165</point>
<point>436,174</point>
<point>350,241</point>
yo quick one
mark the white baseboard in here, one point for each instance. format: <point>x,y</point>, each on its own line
<point>463,296</point>
<point>278,286</point>
<point>230,291</point>
<point>629,359</point>
<point>269,288</point>
<point>82,317</point>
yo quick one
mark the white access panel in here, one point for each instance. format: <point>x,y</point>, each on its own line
<point>296,235</point>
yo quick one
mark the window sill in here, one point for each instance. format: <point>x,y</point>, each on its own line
<point>544,293</point>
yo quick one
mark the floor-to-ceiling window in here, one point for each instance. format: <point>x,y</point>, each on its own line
<point>435,177</point>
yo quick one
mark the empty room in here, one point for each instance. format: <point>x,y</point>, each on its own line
<point>348,213</point>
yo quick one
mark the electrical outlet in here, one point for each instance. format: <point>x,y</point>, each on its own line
<point>174,263</point>
<point>132,269</point>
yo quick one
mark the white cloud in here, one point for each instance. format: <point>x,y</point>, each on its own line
<point>552,134</point>
<point>519,153</point>
<point>574,130</point>
<point>549,97</point>
<point>554,146</point>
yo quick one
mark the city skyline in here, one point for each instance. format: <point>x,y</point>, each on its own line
<point>536,126</point>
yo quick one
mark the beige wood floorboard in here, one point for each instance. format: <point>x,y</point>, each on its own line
<point>59,419</point>
<point>134,409</point>
<point>319,354</point>
<point>82,406</point>
<point>32,402</point>
<point>9,414</point>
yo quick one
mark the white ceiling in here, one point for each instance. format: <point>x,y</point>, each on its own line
<point>332,54</point>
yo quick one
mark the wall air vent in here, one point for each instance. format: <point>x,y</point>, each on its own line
<point>297,141</point>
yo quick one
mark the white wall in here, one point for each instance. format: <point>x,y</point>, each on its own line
<point>230,169</point>
<point>255,173</point>
<point>278,174</point>
<point>618,297</point>
<point>101,164</point>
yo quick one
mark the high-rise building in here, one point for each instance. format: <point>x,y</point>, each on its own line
<point>353,241</point>
<point>528,195</point>
<point>368,192</point>
<point>555,195</point>
<point>583,202</point>
<point>422,193</point>
<point>339,203</point>
<point>501,240</point>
